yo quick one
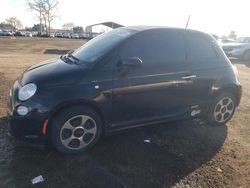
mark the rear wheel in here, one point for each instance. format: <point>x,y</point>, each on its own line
<point>75,130</point>
<point>222,109</point>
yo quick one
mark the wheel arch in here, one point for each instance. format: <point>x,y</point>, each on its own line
<point>57,109</point>
<point>233,89</point>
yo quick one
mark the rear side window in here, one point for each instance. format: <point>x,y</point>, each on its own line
<point>200,48</point>
<point>156,48</point>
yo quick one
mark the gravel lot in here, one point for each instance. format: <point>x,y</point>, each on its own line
<point>179,154</point>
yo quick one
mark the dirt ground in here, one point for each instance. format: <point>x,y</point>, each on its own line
<point>180,154</point>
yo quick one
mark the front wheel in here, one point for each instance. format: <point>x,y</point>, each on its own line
<point>222,109</point>
<point>75,130</point>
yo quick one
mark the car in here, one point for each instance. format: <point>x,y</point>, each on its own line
<point>6,33</point>
<point>75,36</point>
<point>66,35</point>
<point>19,34</point>
<point>52,35</point>
<point>59,35</point>
<point>239,49</point>
<point>125,78</point>
<point>28,34</point>
<point>35,33</point>
<point>227,40</point>
<point>84,35</point>
<point>43,34</point>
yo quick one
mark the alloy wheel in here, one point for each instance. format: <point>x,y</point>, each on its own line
<point>78,132</point>
<point>223,110</point>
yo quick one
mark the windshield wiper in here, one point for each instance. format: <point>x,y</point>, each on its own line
<point>73,57</point>
<point>68,58</point>
<point>65,59</point>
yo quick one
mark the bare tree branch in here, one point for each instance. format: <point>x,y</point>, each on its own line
<point>36,5</point>
<point>14,22</point>
<point>49,7</point>
<point>46,11</point>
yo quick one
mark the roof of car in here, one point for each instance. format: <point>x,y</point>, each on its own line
<point>143,28</point>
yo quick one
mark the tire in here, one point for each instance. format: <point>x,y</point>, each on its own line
<point>222,109</point>
<point>246,56</point>
<point>75,130</point>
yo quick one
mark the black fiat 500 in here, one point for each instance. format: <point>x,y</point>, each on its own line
<point>128,77</point>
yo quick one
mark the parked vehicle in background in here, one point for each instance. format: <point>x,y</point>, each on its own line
<point>75,36</point>
<point>6,33</point>
<point>239,49</point>
<point>227,40</point>
<point>43,34</point>
<point>52,35</point>
<point>128,77</point>
<point>19,34</point>
<point>243,40</point>
<point>66,35</point>
<point>83,35</point>
<point>59,35</point>
<point>35,33</point>
<point>28,34</point>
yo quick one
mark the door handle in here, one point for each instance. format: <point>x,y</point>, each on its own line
<point>188,77</point>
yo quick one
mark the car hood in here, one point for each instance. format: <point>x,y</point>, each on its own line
<point>52,72</point>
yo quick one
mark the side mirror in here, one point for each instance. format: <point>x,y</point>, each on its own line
<point>131,62</point>
<point>125,65</point>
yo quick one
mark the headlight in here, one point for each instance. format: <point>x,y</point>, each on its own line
<point>27,91</point>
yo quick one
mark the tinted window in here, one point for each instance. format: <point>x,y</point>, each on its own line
<point>199,47</point>
<point>98,46</point>
<point>156,47</point>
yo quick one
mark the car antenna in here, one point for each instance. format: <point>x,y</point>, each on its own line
<point>188,20</point>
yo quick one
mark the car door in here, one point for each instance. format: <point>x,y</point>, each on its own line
<point>156,89</point>
<point>205,66</point>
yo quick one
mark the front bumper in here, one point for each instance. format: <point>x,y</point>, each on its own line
<point>29,127</point>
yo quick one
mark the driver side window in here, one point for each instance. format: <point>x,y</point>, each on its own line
<point>159,50</point>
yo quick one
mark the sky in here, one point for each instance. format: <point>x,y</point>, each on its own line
<point>211,16</point>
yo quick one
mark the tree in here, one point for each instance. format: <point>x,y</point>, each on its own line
<point>46,12</point>
<point>77,29</point>
<point>232,35</point>
<point>5,26</point>
<point>14,22</point>
<point>36,5</point>
<point>37,27</point>
<point>49,8</point>
<point>68,26</point>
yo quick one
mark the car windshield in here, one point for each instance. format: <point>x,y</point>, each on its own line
<point>244,40</point>
<point>97,47</point>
